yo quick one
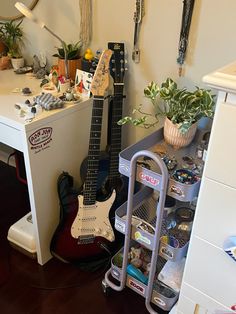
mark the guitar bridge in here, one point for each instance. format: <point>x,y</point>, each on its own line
<point>86,239</point>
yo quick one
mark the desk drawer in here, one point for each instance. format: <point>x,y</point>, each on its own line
<point>216,212</point>
<point>211,271</point>
<point>193,301</point>
<point>10,136</point>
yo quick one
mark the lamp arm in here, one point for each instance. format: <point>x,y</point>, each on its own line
<point>64,47</point>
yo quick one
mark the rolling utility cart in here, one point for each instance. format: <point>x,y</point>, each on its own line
<point>144,221</point>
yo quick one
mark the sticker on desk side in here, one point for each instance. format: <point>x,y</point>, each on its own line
<point>40,139</point>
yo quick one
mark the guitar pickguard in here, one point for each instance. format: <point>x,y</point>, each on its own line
<point>93,221</point>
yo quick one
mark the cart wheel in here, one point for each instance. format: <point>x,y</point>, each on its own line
<point>105,288</point>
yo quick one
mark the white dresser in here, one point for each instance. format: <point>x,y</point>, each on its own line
<point>209,282</point>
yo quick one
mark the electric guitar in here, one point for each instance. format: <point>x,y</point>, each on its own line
<point>86,232</point>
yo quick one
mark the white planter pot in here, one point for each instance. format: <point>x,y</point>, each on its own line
<point>173,136</point>
<point>17,63</point>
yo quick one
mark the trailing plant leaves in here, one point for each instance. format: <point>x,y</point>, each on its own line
<point>181,106</point>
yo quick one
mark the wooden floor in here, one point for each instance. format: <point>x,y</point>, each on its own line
<point>55,288</point>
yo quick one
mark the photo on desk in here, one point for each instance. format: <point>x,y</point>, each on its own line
<point>83,82</point>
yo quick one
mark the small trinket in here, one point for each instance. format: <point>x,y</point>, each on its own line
<point>188,160</point>
<point>26,91</point>
<point>170,162</point>
<point>185,176</point>
<point>69,95</point>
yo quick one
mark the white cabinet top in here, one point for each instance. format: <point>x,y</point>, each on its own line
<point>223,78</point>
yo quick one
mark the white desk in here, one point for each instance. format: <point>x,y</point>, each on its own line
<point>62,150</point>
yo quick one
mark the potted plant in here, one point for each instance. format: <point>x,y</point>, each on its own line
<point>11,35</point>
<point>73,56</point>
<point>181,108</point>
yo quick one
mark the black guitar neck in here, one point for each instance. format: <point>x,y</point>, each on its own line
<point>116,106</point>
<point>90,186</point>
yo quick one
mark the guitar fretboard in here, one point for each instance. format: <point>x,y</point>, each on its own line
<point>90,186</point>
<point>115,145</point>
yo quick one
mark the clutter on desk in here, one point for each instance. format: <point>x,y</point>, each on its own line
<point>27,110</point>
<point>23,70</point>
<point>83,82</point>
<point>39,66</point>
<point>26,91</point>
<point>48,101</point>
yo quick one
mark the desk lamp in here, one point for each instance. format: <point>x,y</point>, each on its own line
<point>28,13</point>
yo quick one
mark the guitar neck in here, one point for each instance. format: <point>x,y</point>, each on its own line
<point>90,186</point>
<point>115,133</point>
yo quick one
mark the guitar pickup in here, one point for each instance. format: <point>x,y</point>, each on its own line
<point>86,239</point>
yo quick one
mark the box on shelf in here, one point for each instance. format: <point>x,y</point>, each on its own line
<point>21,236</point>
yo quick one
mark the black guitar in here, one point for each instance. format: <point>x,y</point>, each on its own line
<point>85,233</point>
<point>117,71</point>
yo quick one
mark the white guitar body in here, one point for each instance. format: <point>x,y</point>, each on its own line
<point>93,221</point>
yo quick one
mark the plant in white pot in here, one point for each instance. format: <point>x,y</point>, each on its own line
<point>181,108</point>
<point>12,36</point>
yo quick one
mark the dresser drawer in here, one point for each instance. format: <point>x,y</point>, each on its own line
<point>216,212</point>
<point>192,301</point>
<point>10,136</point>
<point>220,163</point>
<point>212,271</point>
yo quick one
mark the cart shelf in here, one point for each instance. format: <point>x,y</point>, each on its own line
<point>143,226</point>
<point>151,177</point>
<point>162,295</point>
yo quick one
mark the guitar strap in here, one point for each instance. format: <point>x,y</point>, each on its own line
<point>138,14</point>
<point>188,6</point>
<point>85,21</point>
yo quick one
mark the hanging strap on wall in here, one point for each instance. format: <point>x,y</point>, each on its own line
<point>138,15</point>
<point>188,6</point>
<point>85,22</point>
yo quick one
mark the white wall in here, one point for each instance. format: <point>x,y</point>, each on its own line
<point>211,43</point>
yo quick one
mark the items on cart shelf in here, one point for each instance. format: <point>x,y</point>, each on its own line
<point>141,224</point>
<point>136,273</point>
<point>170,240</point>
<point>185,176</point>
<point>163,289</point>
<point>139,258</point>
<point>172,273</point>
<point>181,219</point>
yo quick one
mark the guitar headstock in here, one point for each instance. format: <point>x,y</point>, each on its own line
<point>117,63</point>
<point>101,76</point>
